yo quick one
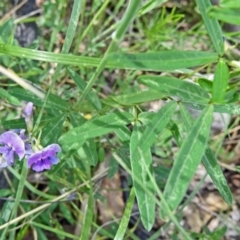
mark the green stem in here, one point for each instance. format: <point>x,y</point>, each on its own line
<point>116,38</point>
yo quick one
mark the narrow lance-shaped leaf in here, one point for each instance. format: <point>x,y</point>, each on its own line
<point>126,217</point>
<point>226,108</point>
<point>212,26</point>
<point>209,161</point>
<point>220,82</point>
<point>225,15</point>
<point>146,95</point>
<point>6,96</point>
<point>171,86</point>
<point>96,127</point>
<point>53,129</point>
<point>187,161</point>
<point>156,125</point>
<point>54,102</point>
<point>88,218</point>
<point>92,97</point>
<point>230,3</point>
<point>139,163</point>
<point>142,160</point>
<point>154,61</point>
<point>89,145</point>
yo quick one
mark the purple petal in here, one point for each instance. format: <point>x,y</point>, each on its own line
<point>54,160</point>
<point>47,153</point>
<point>3,163</point>
<point>55,147</point>
<point>34,158</point>
<point>4,149</point>
<point>9,156</point>
<point>22,134</point>
<point>28,111</point>
<point>41,165</point>
<point>12,140</point>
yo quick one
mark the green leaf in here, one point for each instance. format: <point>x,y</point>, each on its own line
<point>130,99</point>
<point>172,126</point>
<point>220,83</point>
<point>6,96</point>
<point>162,61</point>
<point>52,130</point>
<point>140,158</point>
<point>123,133</point>
<point>156,61</point>
<point>53,102</point>
<point>90,150</point>
<point>226,15</point>
<point>126,217</point>
<point>6,31</point>
<point>156,125</point>
<point>14,124</point>
<point>88,218</point>
<point>186,91</point>
<point>226,108</point>
<point>212,26</point>
<point>113,167</point>
<point>96,127</point>
<point>218,233</point>
<point>230,3</point>
<point>89,145</point>
<point>92,97</point>
<point>205,84</point>
<point>187,161</point>
<point>209,161</point>
<point>139,163</point>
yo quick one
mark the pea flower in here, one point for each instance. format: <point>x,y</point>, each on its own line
<point>10,145</point>
<point>28,114</point>
<point>45,158</point>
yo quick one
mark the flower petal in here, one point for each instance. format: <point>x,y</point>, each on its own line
<point>54,160</point>
<point>55,147</point>
<point>4,149</point>
<point>12,140</point>
<point>41,165</point>
<point>34,158</point>
<point>28,111</point>
<point>9,156</point>
<point>3,163</point>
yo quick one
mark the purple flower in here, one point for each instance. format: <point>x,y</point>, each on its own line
<point>10,145</point>
<point>28,114</point>
<point>45,158</point>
